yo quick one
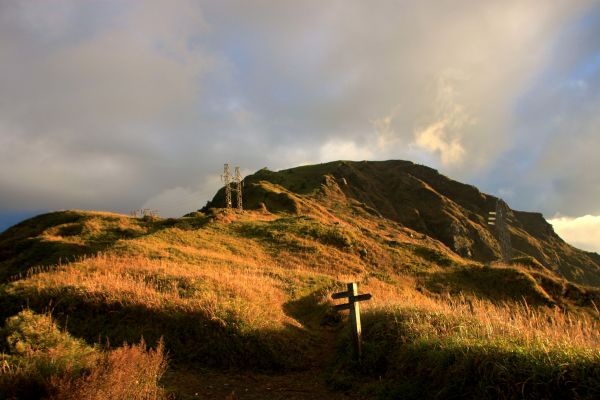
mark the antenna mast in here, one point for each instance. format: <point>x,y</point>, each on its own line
<point>226,178</point>
<point>238,188</point>
<point>230,187</point>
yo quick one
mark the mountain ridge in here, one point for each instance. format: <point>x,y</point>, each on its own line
<point>422,199</point>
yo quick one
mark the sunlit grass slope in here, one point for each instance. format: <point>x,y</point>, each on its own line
<point>225,289</point>
<point>462,348</point>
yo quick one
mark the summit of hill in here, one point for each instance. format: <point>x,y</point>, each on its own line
<point>421,199</point>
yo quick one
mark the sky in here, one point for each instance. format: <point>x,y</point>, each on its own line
<point>119,105</point>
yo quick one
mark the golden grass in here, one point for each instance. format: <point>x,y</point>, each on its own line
<point>46,362</point>
<point>478,319</point>
<point>474,319</point>
<point>128,372</point>
<point>255,282</point>
<point>254,290</point>
<point>216,289</point>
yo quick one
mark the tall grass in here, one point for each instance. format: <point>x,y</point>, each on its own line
<point>520,321</point>
<point>128,372</point>
<point>216,289</point>
<point>467,348</point>
<point>216,313</point>
<point>46,362</point>
<point>250,291</point>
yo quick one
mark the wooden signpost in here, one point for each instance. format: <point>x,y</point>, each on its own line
<point>352,305</point>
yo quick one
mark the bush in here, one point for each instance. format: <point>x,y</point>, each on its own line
<point>37,344</point>
<point>44,361</point>
<point>128,372</point>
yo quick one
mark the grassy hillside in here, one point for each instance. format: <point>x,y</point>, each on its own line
<point>422,199</point>
<point>236,294</point>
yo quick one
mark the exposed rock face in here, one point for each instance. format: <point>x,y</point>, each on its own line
<point>420,198</point>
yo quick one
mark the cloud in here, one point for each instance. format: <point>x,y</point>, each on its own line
<point>181,200</point>
<point>85,116</point>
<point>550,165</point>
<point>344,150</point>
<point>582,232</point>
<point>434,139</point>
<point>383,129</point>
<point>451,120</point>
<point>116,105</point>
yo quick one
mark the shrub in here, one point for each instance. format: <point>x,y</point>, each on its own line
<point>128,372</point>
<point>38,345</point>
<point>45,362</point>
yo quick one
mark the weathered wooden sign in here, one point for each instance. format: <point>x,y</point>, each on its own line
<point>352,305</point>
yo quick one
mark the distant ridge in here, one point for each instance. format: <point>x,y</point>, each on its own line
<point>420,198</point>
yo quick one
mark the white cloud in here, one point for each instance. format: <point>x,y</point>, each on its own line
<point>384,130</point>
<point>582,232</point>
<point>339,149</point>
<point>176,201</point>
<point>434,139</point>
<point>443,136</point>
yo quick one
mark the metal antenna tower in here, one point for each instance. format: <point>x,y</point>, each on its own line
<point>499,218</point>
<point>226,178</point>
<point>238,188</point>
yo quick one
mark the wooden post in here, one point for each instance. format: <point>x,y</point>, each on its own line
<point>355,319</point>
<point>353,299</point>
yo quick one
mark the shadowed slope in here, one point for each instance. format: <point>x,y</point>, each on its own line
<point>421,199</point>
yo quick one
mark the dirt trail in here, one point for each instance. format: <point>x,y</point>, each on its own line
<point>249,385</point>
<point>252,386</point>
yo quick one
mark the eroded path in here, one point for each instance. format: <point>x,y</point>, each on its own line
<point>250,385</point>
